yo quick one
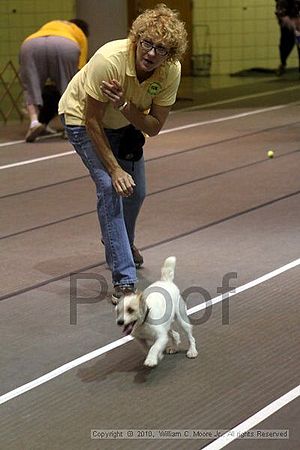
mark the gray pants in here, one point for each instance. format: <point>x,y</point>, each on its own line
<point>50,57</point>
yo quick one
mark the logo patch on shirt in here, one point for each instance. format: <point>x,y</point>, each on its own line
<point>154,88</point>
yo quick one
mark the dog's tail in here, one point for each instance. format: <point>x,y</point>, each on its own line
<point>168,269</point>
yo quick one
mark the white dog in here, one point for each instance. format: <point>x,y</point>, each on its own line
<point>148,316</point>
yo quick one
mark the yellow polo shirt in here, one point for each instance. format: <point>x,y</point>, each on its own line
<point>116,60</point>
<point>68,30</point>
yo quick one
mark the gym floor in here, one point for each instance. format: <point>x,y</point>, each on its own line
<point>227,212</point>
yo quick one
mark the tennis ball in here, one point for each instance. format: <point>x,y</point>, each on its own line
<point>270,154</point>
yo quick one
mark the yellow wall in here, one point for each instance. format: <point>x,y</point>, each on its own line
<point>19,18</point>
<point>243,34</point>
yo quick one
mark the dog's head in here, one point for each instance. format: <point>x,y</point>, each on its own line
<point>130,311</point>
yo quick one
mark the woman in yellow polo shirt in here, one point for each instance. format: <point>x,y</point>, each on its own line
<point>55,52</point>
<point>126,90</point>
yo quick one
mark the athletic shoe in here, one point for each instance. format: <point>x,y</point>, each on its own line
<point>120,290</point>
<point>280,70</point>
<point>34,132</point>
<point>137,257</point>
<point>49,130</point>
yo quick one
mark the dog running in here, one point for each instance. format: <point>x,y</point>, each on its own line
<point>148,316</point>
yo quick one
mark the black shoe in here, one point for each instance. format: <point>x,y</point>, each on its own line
<point>34,132</point>
<point>281,70</point>
<point>120,291</point>
<point>137,257</point>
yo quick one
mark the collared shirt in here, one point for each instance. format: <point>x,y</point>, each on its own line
<point>116,60</point>
<point>68,30</point>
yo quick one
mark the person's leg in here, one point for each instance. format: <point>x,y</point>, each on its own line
<point>286,45</point>
<point>33,74</point>
<point>62,57</point>
<point>298,50</point>
<point>132,204</point>
<point>66,55</point>
<point>49,110</point>
<point>33,112</point>
<point>110,211</point>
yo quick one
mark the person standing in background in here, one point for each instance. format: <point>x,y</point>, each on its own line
<point>54,53</point>
<point>288,13</point>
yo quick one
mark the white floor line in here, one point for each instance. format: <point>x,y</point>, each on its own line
<point>249,285</point>
<point>197,107</point>
<point>224,119</point>
<point>35,160</point>
<point>39,139</point>
<point>170,130</point>
<point>6,144</point>
<point>107,348</point>
<point>232,100</point>
<point>62,369</point>
<point>254,420</point>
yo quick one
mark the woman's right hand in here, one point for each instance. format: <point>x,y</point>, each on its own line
<point>122,182</point>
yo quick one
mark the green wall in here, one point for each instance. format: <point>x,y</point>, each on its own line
<point>242,34</point>
<point>19,18</point>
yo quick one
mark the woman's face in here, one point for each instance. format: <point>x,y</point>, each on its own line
<point>149,56</point>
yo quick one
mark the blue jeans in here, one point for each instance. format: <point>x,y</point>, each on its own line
<point>117,216</point>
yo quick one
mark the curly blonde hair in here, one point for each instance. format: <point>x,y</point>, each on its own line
<point>162,25</point>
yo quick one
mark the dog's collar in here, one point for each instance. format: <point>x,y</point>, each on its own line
<point>146,315</point>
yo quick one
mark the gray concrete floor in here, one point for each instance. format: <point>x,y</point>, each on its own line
<point>216,202</point>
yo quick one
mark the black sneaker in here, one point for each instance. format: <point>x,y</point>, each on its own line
<point>120,290</point>
<point>137,257</point>
<point>34,132</point>
<point>280,70</point>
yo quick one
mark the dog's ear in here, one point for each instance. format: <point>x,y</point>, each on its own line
<point>138,294</point>
<point>141,302</point>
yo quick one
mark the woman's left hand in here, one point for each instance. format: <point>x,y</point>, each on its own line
<point>114,92</point>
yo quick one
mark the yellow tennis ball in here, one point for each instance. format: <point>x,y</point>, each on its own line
<point>270,154</point>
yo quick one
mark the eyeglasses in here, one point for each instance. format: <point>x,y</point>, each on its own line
<point>159,49</point>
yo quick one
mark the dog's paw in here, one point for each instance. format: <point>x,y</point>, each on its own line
<point>192,353</point>
<point>171,350</point>
<point>150,362</point>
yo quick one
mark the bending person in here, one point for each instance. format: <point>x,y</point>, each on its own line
<point>125,91</point>
<point>54,53</point>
